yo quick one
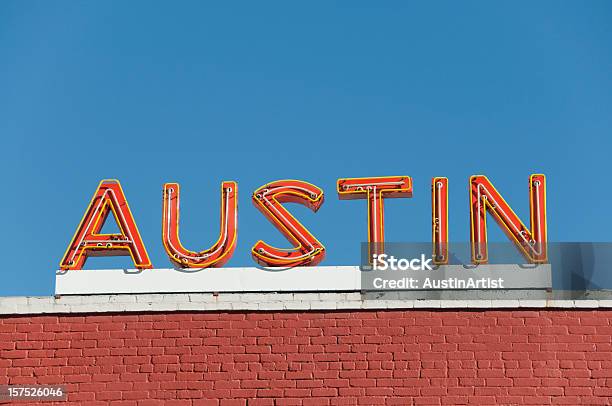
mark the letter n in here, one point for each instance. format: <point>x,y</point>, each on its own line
<point>530,241</point>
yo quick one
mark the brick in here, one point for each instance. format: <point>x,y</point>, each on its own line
<point>344,357</point>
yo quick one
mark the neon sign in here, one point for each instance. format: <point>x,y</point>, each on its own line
<point>375,190</point>
<point>221,251</point>
<point>308,251</point>
<point>531,241</point>
<point>268,199</point>
<point>88,241</point>
<point>439,220</point>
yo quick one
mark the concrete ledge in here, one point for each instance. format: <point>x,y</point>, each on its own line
<point>299,279</point>
<point>261,302</point>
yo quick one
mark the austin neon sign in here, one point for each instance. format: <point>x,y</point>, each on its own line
<point>308,251</point>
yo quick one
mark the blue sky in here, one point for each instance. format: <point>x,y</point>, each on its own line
<point>197,93</point>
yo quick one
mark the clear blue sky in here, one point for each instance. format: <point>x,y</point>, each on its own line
<point>193,92</point>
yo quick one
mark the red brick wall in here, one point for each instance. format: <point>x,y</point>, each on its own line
<point>322,358</point>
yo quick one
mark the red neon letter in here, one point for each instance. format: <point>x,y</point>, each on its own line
<point>88,241</point>
<point>439,224</point>
<point>268,199</point>
<point>221,251</point>
<point>375,190</point>
<point>531,242</point>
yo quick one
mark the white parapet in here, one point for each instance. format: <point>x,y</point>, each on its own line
<point>223,302</point>
<point>299,279</point>
<point>329,288</point>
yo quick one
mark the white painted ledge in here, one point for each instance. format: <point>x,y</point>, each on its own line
<point>299,279</point>
<point>254,289</point>
<point>260,302</point>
